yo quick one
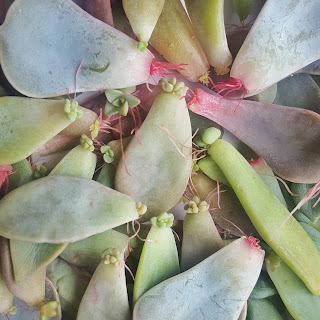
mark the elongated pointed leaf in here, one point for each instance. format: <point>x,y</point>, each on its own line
<point>27,124</point>
<point>63,209</point>
<point>287,138</point>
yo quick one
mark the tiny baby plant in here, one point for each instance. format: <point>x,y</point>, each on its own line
<point>106,295</point>
<point>242,8</point>
<point>71,110</point>
<point>48,310</point>
<point>120,100</point>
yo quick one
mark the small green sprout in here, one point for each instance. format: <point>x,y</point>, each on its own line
<point>142,46</point>
<point>12,310</point>
<point>86,142</point>
<point>120,100</point>
<point>204,79</point>
<point>41,171</point>
<point>195,167</point>
<point>195,205</point>
<point>48,310</point>
<point>71,110</point>
<point>164,220</point>
<point>173,86</point>
<point>108,154</point>
<point>210,135</point>
<point>207,137</point>
<point>112,256</point>
<point>141,208</point>
<point>94,129</point>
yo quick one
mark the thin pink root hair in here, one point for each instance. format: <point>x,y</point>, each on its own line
<point>144,240</point>
<point>192,188</point>
<point>163,68</point>
<point>285,185</point>
<point>173,139</point>
<point>148,87</point>
<point>130,272</point>
<point>215,191</point>
<point>311,194</point>
<point>243,25</point>
<point>75,82</point>
<point>105,125</point>
<point>170,136</point>
<point>175,234</point>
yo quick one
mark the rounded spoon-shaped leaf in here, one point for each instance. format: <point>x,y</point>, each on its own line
<point>199,293</point>
<point>64,36</point>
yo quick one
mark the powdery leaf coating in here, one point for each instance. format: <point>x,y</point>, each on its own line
<point>65,35</point>
<point>275,47</point>
<point>106,296</point>
<point>59,209</point>
<point>158,168</point>
<point>27,124</point>
<point>199,294</point>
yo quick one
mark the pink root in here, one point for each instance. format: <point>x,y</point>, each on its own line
<point>75,82</point>
<point>253,242</point>
<point>130,272</point>
<point>163,68</point>
<point>193,100</point>
<point>231,86</point>
<point>175,234</point>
